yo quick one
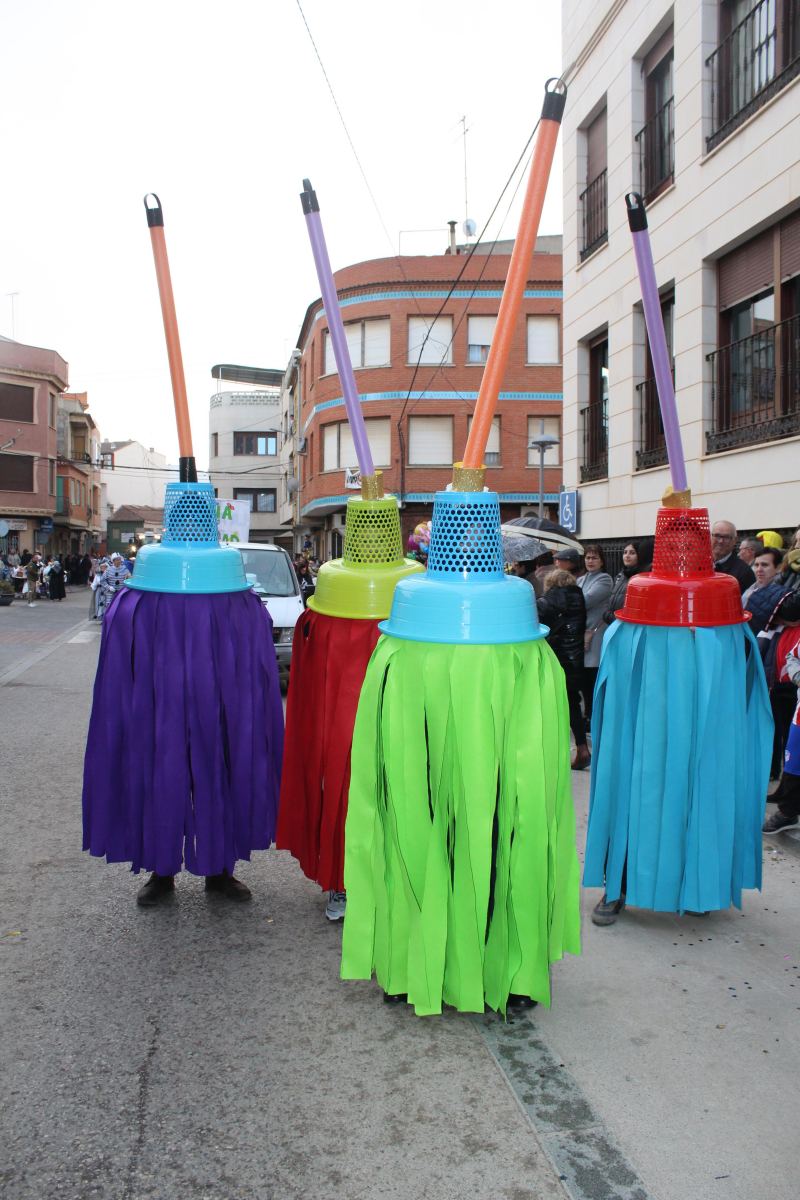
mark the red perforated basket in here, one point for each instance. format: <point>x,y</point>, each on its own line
<point>683,589</point>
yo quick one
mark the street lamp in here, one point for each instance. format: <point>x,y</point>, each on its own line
<point>542,443</point>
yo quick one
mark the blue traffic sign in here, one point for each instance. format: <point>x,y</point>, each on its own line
<point>568,510</point>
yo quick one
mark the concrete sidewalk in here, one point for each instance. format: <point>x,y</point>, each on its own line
<point>207,1050</point>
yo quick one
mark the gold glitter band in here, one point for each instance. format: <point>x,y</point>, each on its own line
<point>468,479</point>
<point>672,499</point>
<point>372,486</point>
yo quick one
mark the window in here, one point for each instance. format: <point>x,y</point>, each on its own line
<point>492,454</point>
<point>652,451</point>
<point>594,197</point>
<point>552,425</point>
<point>543,341</point>
<point>260,500</point>
<point>479,338</point>
<point>255,443</point>
<point>107,462</point>
<point>16,402</point>
<point>214,445</point>
<point>656,140</point>
<point>51,477</point>
<point>17,473</point>
<point>595,415</point>
<point>367,343</point>
<point>430,340</point>
<point>52,410</point>
<point>61,504</point>
<point>338,451</point>
<point>430,441</point>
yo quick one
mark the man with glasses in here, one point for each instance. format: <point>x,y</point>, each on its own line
<point>723,550</point>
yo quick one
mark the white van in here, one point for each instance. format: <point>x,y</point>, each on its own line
<point>271,572</point>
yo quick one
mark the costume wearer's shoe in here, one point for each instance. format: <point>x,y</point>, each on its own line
<point>394,997</point>
<point>229,887</point>
<point>335,908</point>
<point>519,1002</point>
<point>606,912</point>
<point>157,888</point>
<point>778,822</point>
<point>582,758</point>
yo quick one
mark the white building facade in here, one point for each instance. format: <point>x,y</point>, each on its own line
<point>244,453</point>
<point>132,474</point>
<point>697,107</point>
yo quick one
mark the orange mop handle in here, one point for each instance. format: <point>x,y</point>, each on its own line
<point>155,220</point>
<point>518,270</point>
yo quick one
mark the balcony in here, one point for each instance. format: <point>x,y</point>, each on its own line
<point>594,215</point>
<point>656,148</point>
<point>652,451</point>
<point>595,442</point>
<point>754,62</point>
<point>755,388</point>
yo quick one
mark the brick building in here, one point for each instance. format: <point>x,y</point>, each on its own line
<point>418,351</point>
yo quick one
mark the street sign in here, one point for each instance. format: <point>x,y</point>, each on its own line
<point>46,525</point>
<point>568,510</point>
<point>352,479</point>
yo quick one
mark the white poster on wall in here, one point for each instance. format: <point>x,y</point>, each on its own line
<point>233,520</point>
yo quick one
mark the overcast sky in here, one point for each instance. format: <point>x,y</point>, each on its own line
<point>222,109</point>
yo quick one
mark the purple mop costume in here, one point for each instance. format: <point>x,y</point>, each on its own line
<point>186,734</point>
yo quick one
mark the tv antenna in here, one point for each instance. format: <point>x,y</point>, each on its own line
<point>469,227</point>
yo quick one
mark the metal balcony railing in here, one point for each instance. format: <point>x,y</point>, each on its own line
<point>754,62</point>
<point>652,449</point>
<point>755,388</point>
<point>594,215</point>
<point>595,441</point>
<point>656,146</point>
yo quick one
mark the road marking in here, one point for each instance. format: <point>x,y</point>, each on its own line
<point>30,660</point>
<point>86,635</point>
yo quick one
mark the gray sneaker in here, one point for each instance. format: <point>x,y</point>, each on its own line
<point>607,911</point>
<point>334,909</point>
<point>778,822</point>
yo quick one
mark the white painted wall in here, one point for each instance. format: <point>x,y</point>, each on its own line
<point>143,482</point>
<point>251,410</point>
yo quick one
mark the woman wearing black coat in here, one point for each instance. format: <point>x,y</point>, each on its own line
<point>563,609</point>
<point>637,556</point>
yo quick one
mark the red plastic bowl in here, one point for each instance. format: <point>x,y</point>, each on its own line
<point>702,600</point>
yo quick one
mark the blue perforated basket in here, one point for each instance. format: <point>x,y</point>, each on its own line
<point>190,559</point>
<point>464,596</point>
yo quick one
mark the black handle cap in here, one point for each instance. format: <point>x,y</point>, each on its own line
<point>555,98</point>
<point>155,215</point>
<point>308,198</point>
<point>187,470</point>
<point>637,214</point>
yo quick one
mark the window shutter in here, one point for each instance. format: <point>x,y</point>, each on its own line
<point>347,450</point>
<point>596,159</point>
<point>790,246</point>
<point>493,444</point>
<point>353,334</point>
<point>480,330</point>
<point>430,441</point>
<point>376,344</point>
<point>330,448</point>
<point>543,340</point>
<point>438,348</point>
<point>330,361</point>
<point>379,433</point>
<point>746,271</point>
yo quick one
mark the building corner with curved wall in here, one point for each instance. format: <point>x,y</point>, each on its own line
<point>418,352</point>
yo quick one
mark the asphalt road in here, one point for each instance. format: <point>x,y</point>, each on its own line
<point>207,1050</point>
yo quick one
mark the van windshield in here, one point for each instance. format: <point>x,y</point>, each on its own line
<point>269,571</point>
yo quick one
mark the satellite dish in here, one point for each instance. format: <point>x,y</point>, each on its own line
<point>469,227</point>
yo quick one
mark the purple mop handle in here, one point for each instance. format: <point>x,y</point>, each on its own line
<point>637,219</point>
<point>336,328</point>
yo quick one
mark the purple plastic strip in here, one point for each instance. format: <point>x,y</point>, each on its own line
<point>660,357</point>
<point>339,342</point>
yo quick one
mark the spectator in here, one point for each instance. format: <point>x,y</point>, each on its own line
<point>777,642</point>
<point>534,570</point>
<point>787,796</point>
<point>305,579</point>
<point>636,556</point>
<point>762,596</point>
<point>749,548</point>
<point>113,579</point>
<point>568,560</point>
<point>13,559</point>
<point>723,546</point>
<point>563,609</point>
<point>768,537</point>
<point>596,586</point>
<point>55,580</point>
<point>98,604</point>
<point>32,574</point>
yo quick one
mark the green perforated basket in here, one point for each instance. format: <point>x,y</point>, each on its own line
<point>360,585</point>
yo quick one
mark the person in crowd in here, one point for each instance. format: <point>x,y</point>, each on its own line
<point>534,570</point>
<point>568,559</point>
<point>762,596</point>
<point>749,548</point>
<point>787,795</point>
<point>305,579</point>
<point>32,575</point>
<point>768,537</point>
<point>563,609</point>
<point>13,559</point>
<point>97,606</point>
<point>84,570</point>
<point>723,551</point>
<point>26,558</point>
<point>776,641</point>
<point>55,579</point>
<point>113,578</point>
<point>596,585</point>
<point>636,556</point>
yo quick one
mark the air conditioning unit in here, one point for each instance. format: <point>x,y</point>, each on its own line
<point>302,445</point>
<point>338,520</point>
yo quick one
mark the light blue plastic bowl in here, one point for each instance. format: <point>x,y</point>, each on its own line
<point>465,597</point>
<point>190,559</point>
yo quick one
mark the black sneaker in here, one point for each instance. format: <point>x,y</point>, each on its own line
<point>519,1002</point>
<point>607,911</point>
<point>395,997</point>
<point>157,888</point>
<point>778,822</point>
<point>229,887</point>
